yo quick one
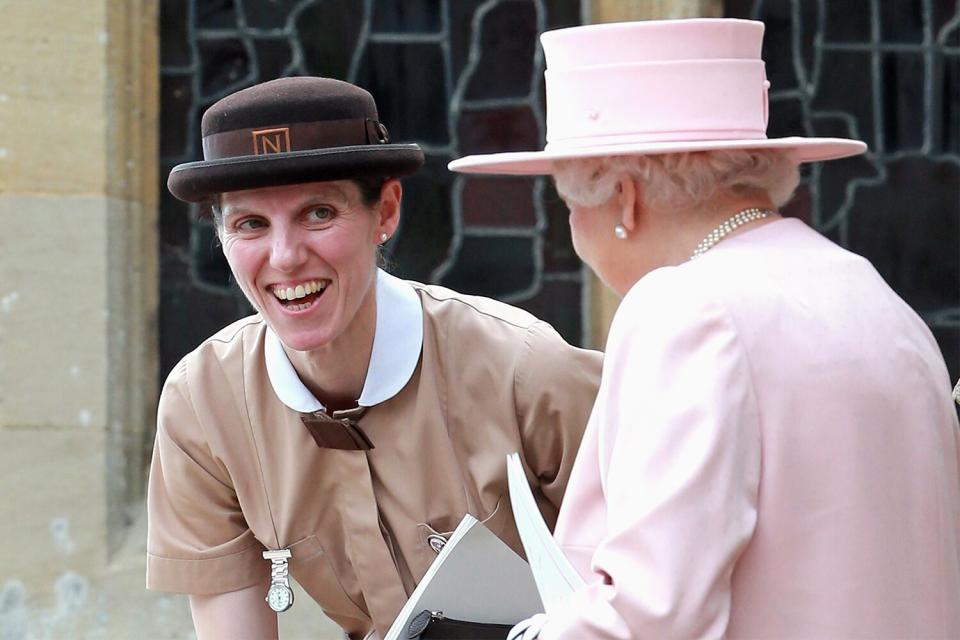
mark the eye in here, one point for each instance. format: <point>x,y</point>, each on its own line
<point>320,214</point>
<point>249,224</point>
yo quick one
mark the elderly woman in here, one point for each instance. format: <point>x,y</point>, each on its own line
<point>773,452</point>
<point>343,431</point>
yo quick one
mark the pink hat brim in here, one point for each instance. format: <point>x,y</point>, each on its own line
<point>541,162</point>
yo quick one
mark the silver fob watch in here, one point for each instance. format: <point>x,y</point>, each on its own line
<point>279,595</point>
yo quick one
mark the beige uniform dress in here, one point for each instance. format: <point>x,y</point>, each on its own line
<point>455,383</point>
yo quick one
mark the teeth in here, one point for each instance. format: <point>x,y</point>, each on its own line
<point>300,291</point>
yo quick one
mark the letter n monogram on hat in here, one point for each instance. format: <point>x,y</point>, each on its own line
<point>271,141</point>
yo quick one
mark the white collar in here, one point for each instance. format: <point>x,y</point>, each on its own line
<point>397,341</point>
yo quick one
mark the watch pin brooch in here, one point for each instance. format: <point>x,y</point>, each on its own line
<point>279,595</point>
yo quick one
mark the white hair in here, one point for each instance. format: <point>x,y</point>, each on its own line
<point>681,180</point>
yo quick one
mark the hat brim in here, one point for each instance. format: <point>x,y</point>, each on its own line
<point>197,181</point>
<point>541,162</point>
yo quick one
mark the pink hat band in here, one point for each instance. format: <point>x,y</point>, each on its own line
<point>664,86</point>
<point>655,102</point>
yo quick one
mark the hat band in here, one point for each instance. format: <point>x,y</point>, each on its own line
<point>657,101</point>
<point>297,136</point>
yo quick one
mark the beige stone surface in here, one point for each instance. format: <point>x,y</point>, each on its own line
<point>56,582</point>
<point>622,10</point>
<point>78,305</point>
<point>52,88</point>
<point>53,311</point>
<point>52,517</point>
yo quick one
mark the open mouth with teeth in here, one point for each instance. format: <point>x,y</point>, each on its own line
<point>301,296</point>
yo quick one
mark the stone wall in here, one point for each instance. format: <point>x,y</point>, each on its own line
<point>77,304</point>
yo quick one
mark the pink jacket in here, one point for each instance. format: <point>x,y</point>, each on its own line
<point>773,454</point>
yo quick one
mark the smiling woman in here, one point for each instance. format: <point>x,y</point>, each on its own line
<point>305,256</point>
<point>322,437</point>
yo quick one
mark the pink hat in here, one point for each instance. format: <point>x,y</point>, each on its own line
<point>659,86</point>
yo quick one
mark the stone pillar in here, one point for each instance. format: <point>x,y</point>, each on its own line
<point>603,301</point>
<point>78,300</point>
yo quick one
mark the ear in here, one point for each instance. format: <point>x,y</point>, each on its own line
<point>389,208</point>
<point>628,202</point>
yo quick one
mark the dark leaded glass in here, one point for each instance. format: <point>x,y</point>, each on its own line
<point>408,82</point>
<point>498,129</point>
<point>274,57</point>
<point>508,40</point>
<point>224,66</point>
<point>903,100</point>
<point>946,105</point>
<point>174,41</point>
<point>216,14</point>
<point>463,15</point>
<point>778,47</point>
<point>176,94</point>
<point>422,243</point>
<point>270,14</point>
<point>494,265</point>
<point>189,312</point>
<point>484,199</point>
<point>328,34</point>
<point>842,23</point>
<point>908,227</point>
<point>846,84</point>
<point>410,16</point>
<point>901,21</point>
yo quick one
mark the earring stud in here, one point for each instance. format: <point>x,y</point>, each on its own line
<point>383,237</point>
<point>620,231</point>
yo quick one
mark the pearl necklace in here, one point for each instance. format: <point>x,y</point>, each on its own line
<point>736,220</point>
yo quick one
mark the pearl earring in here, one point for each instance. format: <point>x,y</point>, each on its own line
<point>383,237</point>
<point>620,231</point>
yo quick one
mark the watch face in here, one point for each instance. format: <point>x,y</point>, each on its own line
<point>279,597</point>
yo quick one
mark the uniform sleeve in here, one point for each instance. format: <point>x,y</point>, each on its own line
<point>198,541</point>
<point>555,386</point>
<point>679,446</point>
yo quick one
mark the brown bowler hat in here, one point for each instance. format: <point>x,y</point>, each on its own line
<point>290,131</point>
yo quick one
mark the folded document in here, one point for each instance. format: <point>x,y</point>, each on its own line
<point>478,578</point>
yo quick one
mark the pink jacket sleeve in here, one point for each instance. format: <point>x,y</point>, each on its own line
<point>679,463</point>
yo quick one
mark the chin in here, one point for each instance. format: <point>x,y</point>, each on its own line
<point>303,340</point>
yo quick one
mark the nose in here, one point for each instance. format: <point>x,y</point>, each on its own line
<point>288,251</point>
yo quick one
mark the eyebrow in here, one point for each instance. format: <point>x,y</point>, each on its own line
<point>234,210</point>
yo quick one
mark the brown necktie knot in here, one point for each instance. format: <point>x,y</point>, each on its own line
<point>338,432</point>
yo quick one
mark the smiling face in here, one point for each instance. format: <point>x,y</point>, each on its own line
<point>305,256</point>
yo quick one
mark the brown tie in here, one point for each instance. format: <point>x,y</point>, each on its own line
<point>338,432</point>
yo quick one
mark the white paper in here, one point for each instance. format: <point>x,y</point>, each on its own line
<point>476,577</point>
<point>555,576</point>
